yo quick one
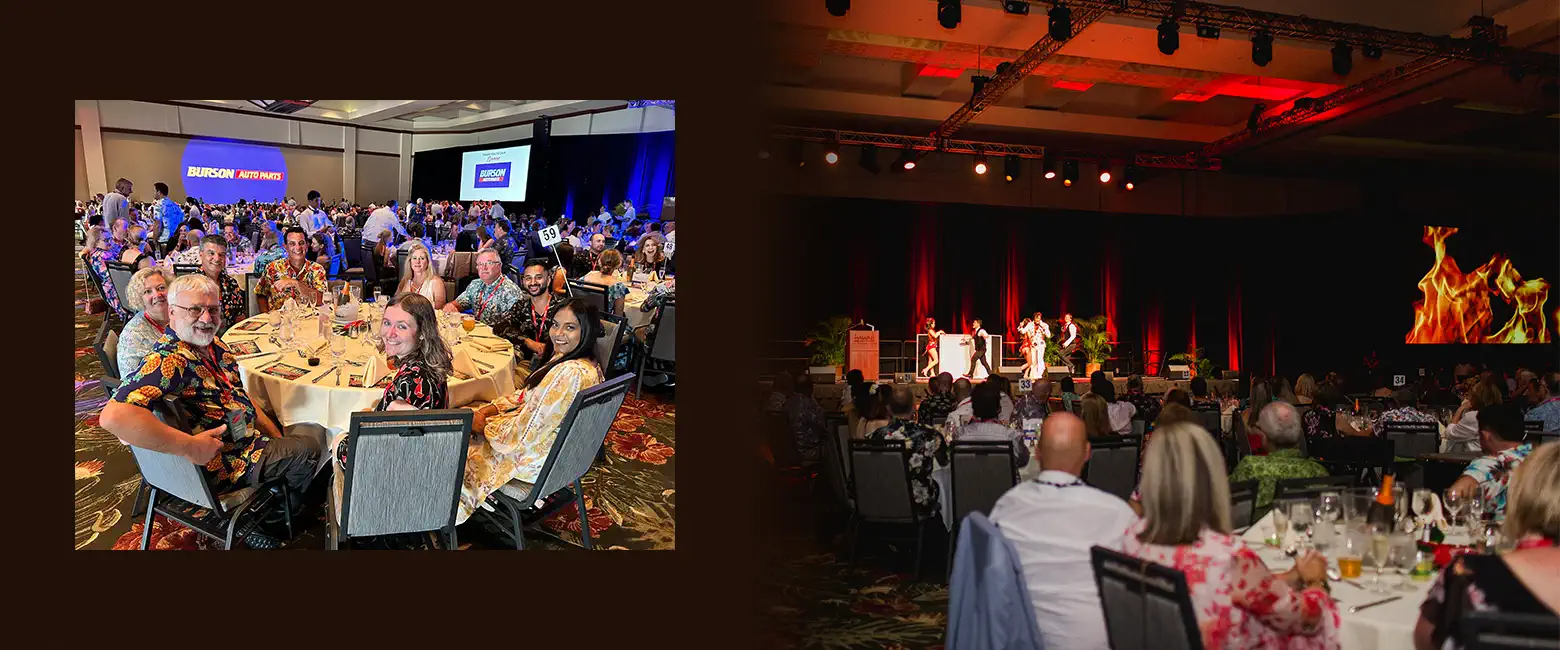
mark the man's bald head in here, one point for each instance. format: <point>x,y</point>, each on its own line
<point>1063,444</point>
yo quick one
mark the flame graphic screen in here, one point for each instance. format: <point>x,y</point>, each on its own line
<point>1461,307</point>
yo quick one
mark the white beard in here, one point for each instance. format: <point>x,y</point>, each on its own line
<point>195,337</point>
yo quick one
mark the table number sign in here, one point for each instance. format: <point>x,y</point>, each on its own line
<point>549,236</point>
<point>1399,380</point>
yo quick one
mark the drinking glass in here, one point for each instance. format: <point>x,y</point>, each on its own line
<point>1280,525</point>
<point>338,348</point>
<point>468,323</point>
<point>1380,548</point>
<point>1401,557</point>
<point>1455,503</point>
<point>1328,507</point>
<point>1422,498</point>
<point>1351,553</point>
<point>1301,518</point>
<point>1476,507</point>
<point>286,336</point>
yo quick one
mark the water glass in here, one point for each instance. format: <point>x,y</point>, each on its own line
<point>338,348</point>
<point>1301,518</point>
<point>1401,557</point>
<point>1455,502</point>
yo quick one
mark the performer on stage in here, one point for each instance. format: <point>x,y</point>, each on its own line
<point>1070,342</point>
<point>1037,348</point>
<point>1027,333</point>
<point>933,339</point>
<point>978,340</point>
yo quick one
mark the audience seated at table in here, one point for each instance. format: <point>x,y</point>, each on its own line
<point>1305,389</point>
<point>1069,393</point>
<point>1120,412</point>
<point>927,450</point>
<point>1034,405</point>
<point>1325,411</point>
<point>1096,416</point>
<point>420,277</point>
<point>1145,407</point>
<point>1053,521</point>
<point>605,276</point>
<point>987,425</point>
<point>147,295</point>
<point>530,317</point>
<point>1462,430</point>
<point>213,264</point>
<point>490,297</point>
<point>939,403</point>
<point>1545,398</point>
<point>410,330</point>
<point>1501,441</point>
<point>1178,396</point>
<point>650,257</point>
<point>270,251</point>
<point>1172,413</point>
<point>96,255</point>
<point>1186,526</point>
<point>1200,397</point>
<point>964,411</point>
<point>1279,426</point>
<point>189,248</point>
<point>295,277</point>
<point>1405,408</point>
<point>1521,581</point>
<point>513,436</point>
<point>194,368</point>
<point>804,417</point>
<point>779,392</point>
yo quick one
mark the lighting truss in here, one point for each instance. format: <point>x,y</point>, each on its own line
<point>885,141</point>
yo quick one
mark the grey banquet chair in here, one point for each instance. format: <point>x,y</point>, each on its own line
<point>1412,438</point>
<point>594,294</point>
<point>1308,487</point>
<point>1147,606</point>
<point>107,347</point>
<point>1113,464</point>
<point>403,475</point>
<point>251,280</point>
<point>178,490</point>
<point>1243,501</point>
<point>880,485</point>
<point>979,473</point>
<point>613,331</point>
<point>120,273</point>
<point>185,269</point>
<point>519,505</point>
<point>663,344</point>
<point>1509,631</point>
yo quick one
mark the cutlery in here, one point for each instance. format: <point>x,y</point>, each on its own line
<point>257,355</point>
<point>482,365</point>
<point>338,375</point>
<point>1357,608</point>
<point>323,375</point>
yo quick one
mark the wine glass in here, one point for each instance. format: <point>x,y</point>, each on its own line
<point>1422,498</point>
<point>1455,503</point>
<point>1301,518</point>
<point>286,336</point>
<point>1476,507</point>
<point>1380,548</point>
<point>1401,557</point>
<point>338,348</point>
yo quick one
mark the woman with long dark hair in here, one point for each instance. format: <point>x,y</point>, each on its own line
<point>933,338</point>
<point>512,436</point>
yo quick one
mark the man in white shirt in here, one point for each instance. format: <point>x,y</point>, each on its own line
<point>604,217</point>
<point>498,210</point>
<point>381,219</point>
<point>986,405</point>
<point>628,211</point>
<point>1053,521</point>
<point>313,218</point>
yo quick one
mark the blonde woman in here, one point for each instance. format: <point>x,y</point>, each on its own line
<point>1462,429</point>
<point>420,278</point>
<point>1517,582</point>
<point>1305,389</point>
<point>147,295</point>
<point>1186,526</point>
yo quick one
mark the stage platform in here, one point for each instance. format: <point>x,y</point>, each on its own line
<point>829,395</point>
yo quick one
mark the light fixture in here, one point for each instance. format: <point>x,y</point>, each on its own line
<point>1011,167</point>
<point>1050,169</point>
<point>906,160</point>
<point>1262,48</point>
<point>1342,59</point>
<point>1060,22</point>
<point>1207,31</point>
<point>1129,178</point>
<point>837,8</point>
<point>980,164</point>
<point>1016,7</point>
<point>831,153</point>
<point>979,81</point>
<point>1105,173</point>
<point>1371,51</point>
<point>1169,37</point>
<point>949,13</point>
<point>1069,173</point>
<point>869,159</point>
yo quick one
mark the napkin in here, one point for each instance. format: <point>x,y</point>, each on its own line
<point>374,369</point>
<point>462,365</point>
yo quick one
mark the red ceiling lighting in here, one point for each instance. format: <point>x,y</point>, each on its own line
<point>1192,96</point>
<point>1068,84</point>
<point>938,71</point>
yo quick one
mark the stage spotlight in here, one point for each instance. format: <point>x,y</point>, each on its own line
<point>1050,169</point>
<point>837,8</point>
<point>1207,31</point>
<point>1129,178</point>
<point>831,157</point>
<point>1371,50</point>
<point>905,161</point>
<point>869,159</point>
<point>1016,7</point>
<point>949,13</point>
<point>1169,36</point>
<point>1060,22</point>
<point>1262,48</point>
<point>1343,60</point>
<point>1069,173</point>
<point>1011,167</point>
<point>980,164</point>
<point>1105,175</point>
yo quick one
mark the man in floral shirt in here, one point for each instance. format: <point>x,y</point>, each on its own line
<point>1147,407</point>
<point>1500,436</point>
<point>926,446</point>
<point>1280,426</point>
<point>235,443</point>
<point>1546,397</point>
<point>296,277</point>
<point>1404,409</point>
<point>492,295</point>
<point>213,264</point>
<point>1033,406</point>
<point>935,409</point>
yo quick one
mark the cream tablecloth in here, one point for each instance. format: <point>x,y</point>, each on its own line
<point>326,403</point>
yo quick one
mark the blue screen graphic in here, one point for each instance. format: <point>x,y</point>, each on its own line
<point>224,172</point>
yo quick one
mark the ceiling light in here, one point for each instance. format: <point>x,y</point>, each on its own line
<point>837,8</point>
<point>1105,175</point>
<point>905,161</point>
<point>1169,37</point>
<point>1207,31</point>
<point>1069,173</point>
<point>1262,48</point>
<point>1342,59</point>
<point>1060,22</point>
<point>831,157</point>
<point>869,159</point>
<point>1050,169</point>
<point>1012,166</point>
<point>949,13</point>
<point>980,164</point>
<point>1016,7</point>
<point>1129,178</point>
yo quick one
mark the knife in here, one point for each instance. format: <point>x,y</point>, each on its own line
<point>258,355</point>
<point>1357,608</point>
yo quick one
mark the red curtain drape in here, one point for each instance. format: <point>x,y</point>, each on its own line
<point>1235,334</point>
<point>923,267</point>
<point>1012,285</point>
<point>1110,275</point>
<point>1153,355</point>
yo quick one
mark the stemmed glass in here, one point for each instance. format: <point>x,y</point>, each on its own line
<point>338,349</point>
<point>1280,526</point>
<point>1301,518</point>
<point>1328,508</point>
<point>286,336</point>
<point>1380,548</point>
<point>1475,507</point>
<point>1455,503</point>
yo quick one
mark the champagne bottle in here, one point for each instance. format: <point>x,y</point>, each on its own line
<point>1381,512</point>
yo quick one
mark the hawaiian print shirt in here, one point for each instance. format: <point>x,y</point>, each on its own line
<point>1314,423</point>
<point>1405,414</point>
<point>206,382</point>
<point>97,260</point>
<point>1028,407</point>
<point>935,409</point>
<point>1270,469</point>
<point>1147,407</point>
<point>189,255</point>
<point>926,449</point>
<point>265,257</point>
<point>490,303</point>
<point>1549,412</point>
<point>524,321</point>
<point>312,274</point>
<point>1492,473</point>
<point>234,307</point>
<point>805,417</point>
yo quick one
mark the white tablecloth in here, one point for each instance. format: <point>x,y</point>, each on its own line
<point>632,304</point>
<point>1389,626</point>
<point>301,400</point>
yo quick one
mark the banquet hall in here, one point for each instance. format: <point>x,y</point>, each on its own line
<point>375,324</point>
<point>1160,324</point>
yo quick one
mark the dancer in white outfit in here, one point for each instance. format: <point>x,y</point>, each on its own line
<point>1037,340</point>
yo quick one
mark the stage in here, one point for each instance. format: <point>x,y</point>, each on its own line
<point>830,395</point>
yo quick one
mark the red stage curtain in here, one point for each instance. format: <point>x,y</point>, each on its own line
<point>1235,335</point>
<point>923,267</point>
<point>1012,284</point>
<point>1110,274</point>
<point>1153,355</point>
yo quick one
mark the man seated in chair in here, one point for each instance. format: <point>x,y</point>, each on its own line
<point>1280,427</point>
<point>490,297</point>
<point>988,425</point>
<point>193,368</point>
<point>1053,521</point>
<point>926,445</point>
<point>295,277</point>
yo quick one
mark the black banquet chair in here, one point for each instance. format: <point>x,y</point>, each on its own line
<point>403,475</point>
<point>979,472</point>
<point>1113,464</point>
<point>882,493</point>
<point>663,344</point>
<point>1147,606</point>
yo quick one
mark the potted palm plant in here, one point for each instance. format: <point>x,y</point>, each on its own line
<point>1193,356</point>
<point>828,348</point>
<point>1094,339</point>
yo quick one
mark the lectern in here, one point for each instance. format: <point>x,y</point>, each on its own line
<point>862,349</point>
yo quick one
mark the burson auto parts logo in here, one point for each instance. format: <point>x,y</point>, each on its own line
<point>493,175</point>
<point>229,173</point>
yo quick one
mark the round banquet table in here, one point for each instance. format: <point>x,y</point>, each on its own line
<point>632,304</point>
<point>302,399</point>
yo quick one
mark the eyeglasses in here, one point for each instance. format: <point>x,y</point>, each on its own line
<point>201,311</point>
<point>489,263</point>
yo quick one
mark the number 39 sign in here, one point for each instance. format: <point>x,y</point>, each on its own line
<point>549,236</point>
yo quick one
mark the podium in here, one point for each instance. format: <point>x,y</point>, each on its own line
<point>862,353</point>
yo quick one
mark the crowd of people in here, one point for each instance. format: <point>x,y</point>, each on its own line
<point>170,322</point>
<point>1179,515</point>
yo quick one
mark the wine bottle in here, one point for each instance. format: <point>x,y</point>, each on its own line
<point>1381,511</point>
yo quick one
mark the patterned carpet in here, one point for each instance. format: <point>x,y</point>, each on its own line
<point>631,497</point>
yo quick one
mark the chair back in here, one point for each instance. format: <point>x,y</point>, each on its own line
<point>185,269</point>
<point>1243,502</point>
<point>594,294</point>
<point>175,475</point>
<point>107,346</point>
<point>613,329</point>
<point>980,472</point>
<point>119,273</point>
<point>1509,631</point>
<point>664,347</point>
<point>1138,427</point>
<point>882,484</point>
<point>404,471</point>
<point>834,465</point>
<point>1113,464</point>
<point>353,250</point>
<point>1530,426</point>
<point>1412,438</point>
<point>252,280</point>
<point>400,263</point>
<point>1146,605</point>
<point>583,431</point>
<point>1242,443</point>
<point>1212,421</point>
<point>1290,488</point>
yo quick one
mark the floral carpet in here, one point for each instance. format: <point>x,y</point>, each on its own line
<point>630,497</point>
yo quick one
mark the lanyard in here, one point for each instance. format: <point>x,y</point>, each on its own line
<point>1077,482</point>
<point>536,323</point>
